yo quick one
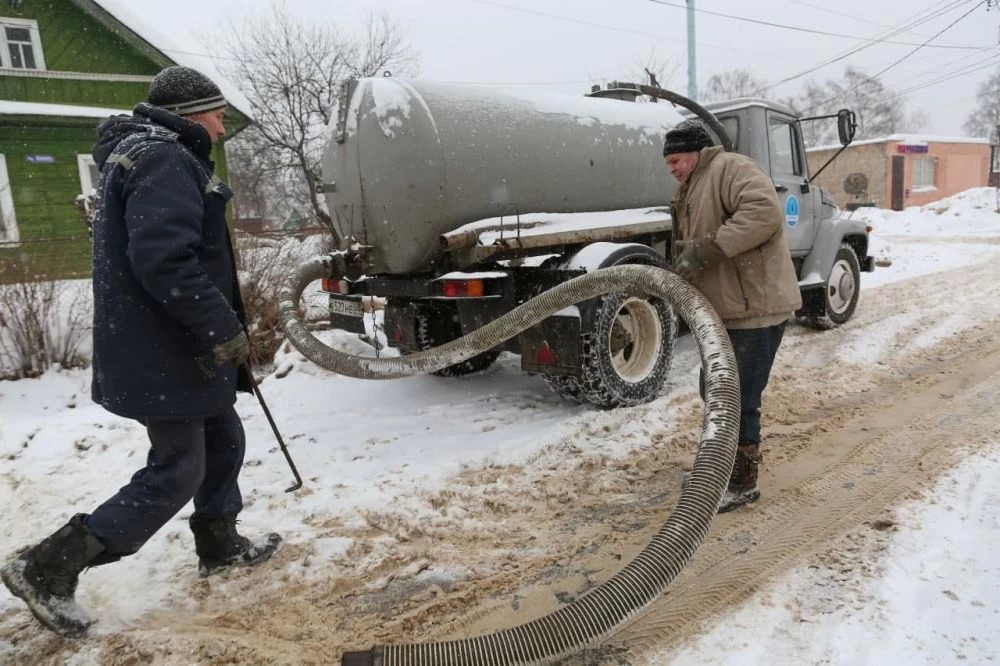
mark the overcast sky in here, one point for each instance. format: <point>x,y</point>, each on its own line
<point>569,43</point>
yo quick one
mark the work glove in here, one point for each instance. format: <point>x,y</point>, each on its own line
<point>235,350</point>
<point>695,256</point>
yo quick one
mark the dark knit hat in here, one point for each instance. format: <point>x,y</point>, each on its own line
<point>184,91</point>
<point>687,136</point>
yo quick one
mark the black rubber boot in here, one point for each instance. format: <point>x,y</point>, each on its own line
<point>46,575</point>
<point>221,547</point>
<point>743,480</point>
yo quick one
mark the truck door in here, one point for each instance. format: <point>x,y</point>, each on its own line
<point>788,171</point>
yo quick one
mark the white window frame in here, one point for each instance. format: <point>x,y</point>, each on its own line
<point>83,164</point>
<point>36,44</point>
<point>919,166</point>
<point>8,220</point>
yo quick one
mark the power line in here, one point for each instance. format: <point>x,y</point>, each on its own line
<point>568,19</point>
<point>820,8</point>
<point>883,71</point>
<point>992,61</point>
<point>937,70</point>
<point>604,26</point>
<point>909,22</point>
<point>801,29</point>
<point>557,17</point>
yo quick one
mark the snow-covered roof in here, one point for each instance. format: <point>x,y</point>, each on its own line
<point>39,109</point>
<point>169,49</point>
<point>908,139</point>
<point>742,102</point>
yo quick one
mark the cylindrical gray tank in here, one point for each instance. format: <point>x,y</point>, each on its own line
<point>411,160</point>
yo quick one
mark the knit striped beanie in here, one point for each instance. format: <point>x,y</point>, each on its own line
<point>184,91</point>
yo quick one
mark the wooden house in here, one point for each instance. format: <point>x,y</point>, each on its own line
<point>65,65</point>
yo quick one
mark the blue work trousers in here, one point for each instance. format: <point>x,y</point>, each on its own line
<point>196,459</point>
<point>755,349</point>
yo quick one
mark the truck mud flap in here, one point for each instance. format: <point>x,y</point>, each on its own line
<point>552,347</point>
<point>813,302</point>
<point>401,327</point>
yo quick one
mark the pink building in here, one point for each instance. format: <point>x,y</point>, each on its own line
<point>903,169</point>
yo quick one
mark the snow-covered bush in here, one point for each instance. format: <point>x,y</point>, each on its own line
<point>263,264</point>
<point>43,323</point>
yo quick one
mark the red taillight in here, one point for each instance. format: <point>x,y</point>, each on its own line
<point>336,286</point>
<point>460,288</point>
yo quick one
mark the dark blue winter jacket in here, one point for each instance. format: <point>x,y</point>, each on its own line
<point>165,288</point>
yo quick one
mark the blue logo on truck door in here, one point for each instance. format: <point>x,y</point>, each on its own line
<point>791,211</point>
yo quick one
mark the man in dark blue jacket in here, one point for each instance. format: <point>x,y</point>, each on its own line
<point>170,348</point>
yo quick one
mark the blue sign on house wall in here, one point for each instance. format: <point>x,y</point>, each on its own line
<point>791,211</point>
<point>41,159</point>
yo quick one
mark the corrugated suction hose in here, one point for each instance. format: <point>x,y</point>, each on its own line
<point>605,608</point>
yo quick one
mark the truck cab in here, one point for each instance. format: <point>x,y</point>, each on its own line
<point>770,134</point>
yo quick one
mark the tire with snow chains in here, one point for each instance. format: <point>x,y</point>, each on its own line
<point>841,291</point>
<point>565,387</point>
<point>625,354</point>
<point>437,326</point>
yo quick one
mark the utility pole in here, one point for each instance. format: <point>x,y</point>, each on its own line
<point>692,65</point>
<point>994,178</point>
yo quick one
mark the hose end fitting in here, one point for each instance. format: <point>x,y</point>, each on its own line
<point>359,658</point>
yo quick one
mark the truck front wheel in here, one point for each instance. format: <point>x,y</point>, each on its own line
<point>842,290</point>
<point>626,354</point>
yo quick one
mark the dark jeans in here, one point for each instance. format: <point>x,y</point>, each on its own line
<point>755,349</point>
<point>198,458</point>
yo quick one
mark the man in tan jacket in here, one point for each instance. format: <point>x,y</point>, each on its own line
<point>729,243</point>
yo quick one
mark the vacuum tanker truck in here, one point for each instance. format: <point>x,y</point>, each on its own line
<point>456,203</point>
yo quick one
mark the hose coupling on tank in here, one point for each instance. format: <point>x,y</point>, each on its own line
<point>334,265</point>
<point>345,264</point>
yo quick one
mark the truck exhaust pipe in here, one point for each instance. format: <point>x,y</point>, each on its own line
<point>604,609</point>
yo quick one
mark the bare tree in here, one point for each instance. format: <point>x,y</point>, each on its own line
<point>654,70</point>
<point>880,111</point>
<point>651,70</point>
<point>985,118</point>
<point>264,186</point>
<point>731,84</point>
<point>291,73</point>
<point>810,102</point>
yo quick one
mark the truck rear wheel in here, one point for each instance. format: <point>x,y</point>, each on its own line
<point>626,354</point>
<point>565,387</point>
<point>841,292</point>
<point>435,327</point>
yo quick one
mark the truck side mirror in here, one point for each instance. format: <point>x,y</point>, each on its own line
<point>847,125</point>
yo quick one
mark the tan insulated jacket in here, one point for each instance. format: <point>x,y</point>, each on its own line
<point>729,199</point>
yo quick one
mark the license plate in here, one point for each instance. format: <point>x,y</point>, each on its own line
<point>345,307</point>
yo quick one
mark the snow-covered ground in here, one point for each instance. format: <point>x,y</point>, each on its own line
<point>931,594</point>
<point>368,450</point>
